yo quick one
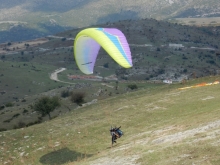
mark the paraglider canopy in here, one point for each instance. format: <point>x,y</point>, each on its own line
<point>87,44</point>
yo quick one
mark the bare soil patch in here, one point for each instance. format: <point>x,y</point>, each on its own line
<point>19,46</point>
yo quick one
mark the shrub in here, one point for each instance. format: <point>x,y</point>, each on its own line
<point>132,86</point>
<point>161,71</point>
<point>9,104</point>
<point>78,97</point>
<point>21,124</point>
<point>65,93</point>
<point>210,61</point>
<point>7,121</point>
<point>16,115</point>
<point>2,129</point>
<point>30,124</point>
<point>15,127</point>
<point>2,107</point>
<point>106,65</point>
<point>25,111</point>
<point>185,70</point>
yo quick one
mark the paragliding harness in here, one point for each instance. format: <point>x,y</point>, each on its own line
<point>115,133</point>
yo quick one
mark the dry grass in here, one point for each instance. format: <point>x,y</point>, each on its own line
<point>211,21</point>
<point>21,45</point>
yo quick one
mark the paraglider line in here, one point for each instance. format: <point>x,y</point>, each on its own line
<point>87,63</point>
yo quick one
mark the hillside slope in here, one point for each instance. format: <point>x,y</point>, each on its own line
<point>161,125</point>
<point>160,50</point>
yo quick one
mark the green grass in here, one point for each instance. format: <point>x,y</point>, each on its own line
<point>20,79</point>
<point>82,136</point>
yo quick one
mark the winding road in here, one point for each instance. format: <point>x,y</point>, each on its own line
<point>53,76</point>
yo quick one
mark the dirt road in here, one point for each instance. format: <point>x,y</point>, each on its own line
<point>53,76</point>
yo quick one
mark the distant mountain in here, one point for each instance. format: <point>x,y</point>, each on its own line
<point>43,17</point>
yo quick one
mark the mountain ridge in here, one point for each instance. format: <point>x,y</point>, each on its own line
<point>80,13</point>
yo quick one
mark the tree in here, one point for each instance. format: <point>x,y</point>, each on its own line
<point>46,105</point>
<point>78,97</point>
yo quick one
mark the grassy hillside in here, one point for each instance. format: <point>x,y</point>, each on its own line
<point>162,125</point>
<point>26,66</point>
<point>20,79</point>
